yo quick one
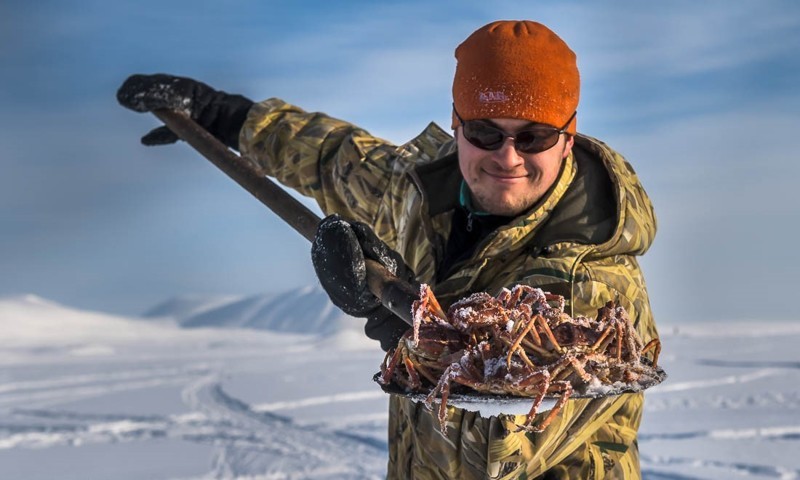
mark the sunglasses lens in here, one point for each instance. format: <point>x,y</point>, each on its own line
<point>483,136</point>
<point>534,141</point>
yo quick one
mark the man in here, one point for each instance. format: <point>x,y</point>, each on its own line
<point>516,197</point>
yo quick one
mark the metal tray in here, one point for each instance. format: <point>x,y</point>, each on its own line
<point>492,405</point>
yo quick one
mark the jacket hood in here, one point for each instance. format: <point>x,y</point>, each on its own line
<point>634,221</point>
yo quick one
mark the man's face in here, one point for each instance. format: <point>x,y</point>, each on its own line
<point>505,181</point>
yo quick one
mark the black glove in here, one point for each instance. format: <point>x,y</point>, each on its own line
<point>220,113</point>
<point>338,253</point>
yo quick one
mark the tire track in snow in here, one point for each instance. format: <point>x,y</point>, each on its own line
<point>748,363</point>
<point>650,474</point>
<point>64,381</point>
<point>220,420</point>
<point>761,433</point>
<point>789,400</point>
<point>729,469</point>
<point>249,441</point>
<point>277,445</point>
<point>715,382</point>
<point>321,400</point>
<point>81,429</point>
<point>43,393</point>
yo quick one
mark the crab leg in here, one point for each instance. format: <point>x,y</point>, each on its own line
<point>655,345</point>
<point>556,368</point>
<point>387,370</point>
<point>543,323</point>
<point>515,344</point>
<point>524,357</point>
<point>541,351</point>
<point>619,343</point>
<point>434,303</point>
<point>633,345</point>
<point>535,336</point>
<point>516,294</point>
<point>412,373</point>
<point>577,367</point>
<point>503,297</point>
<point>443,391</point>
<point>599,345</point>
<point>566,392</point>
<point>423,370</point>
<point>537,402</point>
<point>557,298</point>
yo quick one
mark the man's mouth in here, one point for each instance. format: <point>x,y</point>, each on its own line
<point>506,177</point>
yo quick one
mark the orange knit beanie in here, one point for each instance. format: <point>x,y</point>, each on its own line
<point>516,69</point>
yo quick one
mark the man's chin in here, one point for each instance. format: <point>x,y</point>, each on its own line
<point>503,207</point>
<point>507,211</point>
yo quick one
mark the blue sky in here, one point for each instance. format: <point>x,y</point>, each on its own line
<point>701,97</point>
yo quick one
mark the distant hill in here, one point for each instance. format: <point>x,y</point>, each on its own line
<point>303,310</point>
<point>32,320</point>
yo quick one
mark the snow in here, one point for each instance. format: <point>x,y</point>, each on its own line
<point>185,392</point>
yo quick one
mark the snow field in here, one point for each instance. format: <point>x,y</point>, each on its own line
<point>92,396</point>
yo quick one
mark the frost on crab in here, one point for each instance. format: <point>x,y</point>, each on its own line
<point>519,343</point>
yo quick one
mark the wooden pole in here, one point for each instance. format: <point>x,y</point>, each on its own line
<point>395,294</point>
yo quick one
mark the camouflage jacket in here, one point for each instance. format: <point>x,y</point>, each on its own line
<point>408,194</point>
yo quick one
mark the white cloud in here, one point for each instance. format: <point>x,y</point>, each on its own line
<point>672,39</point>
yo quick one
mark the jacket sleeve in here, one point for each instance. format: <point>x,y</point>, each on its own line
<point>344,168</point>
<point>617,278</point>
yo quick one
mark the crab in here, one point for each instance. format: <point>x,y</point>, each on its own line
<point>519,343</point>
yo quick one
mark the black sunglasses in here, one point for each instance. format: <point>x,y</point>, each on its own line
<point>489,137</point>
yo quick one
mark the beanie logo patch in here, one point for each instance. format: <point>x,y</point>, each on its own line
<point>492,97</point>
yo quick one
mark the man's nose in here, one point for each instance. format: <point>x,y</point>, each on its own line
<point>506,156</point>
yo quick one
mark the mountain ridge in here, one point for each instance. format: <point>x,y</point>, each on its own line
<point>303,310</point>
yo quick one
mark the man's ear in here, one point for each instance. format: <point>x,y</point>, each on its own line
<point>568,146</point>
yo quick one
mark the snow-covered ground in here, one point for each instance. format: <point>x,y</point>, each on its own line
<point>85,395</point>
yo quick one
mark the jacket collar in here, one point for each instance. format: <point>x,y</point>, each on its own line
<point>439,182</point>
